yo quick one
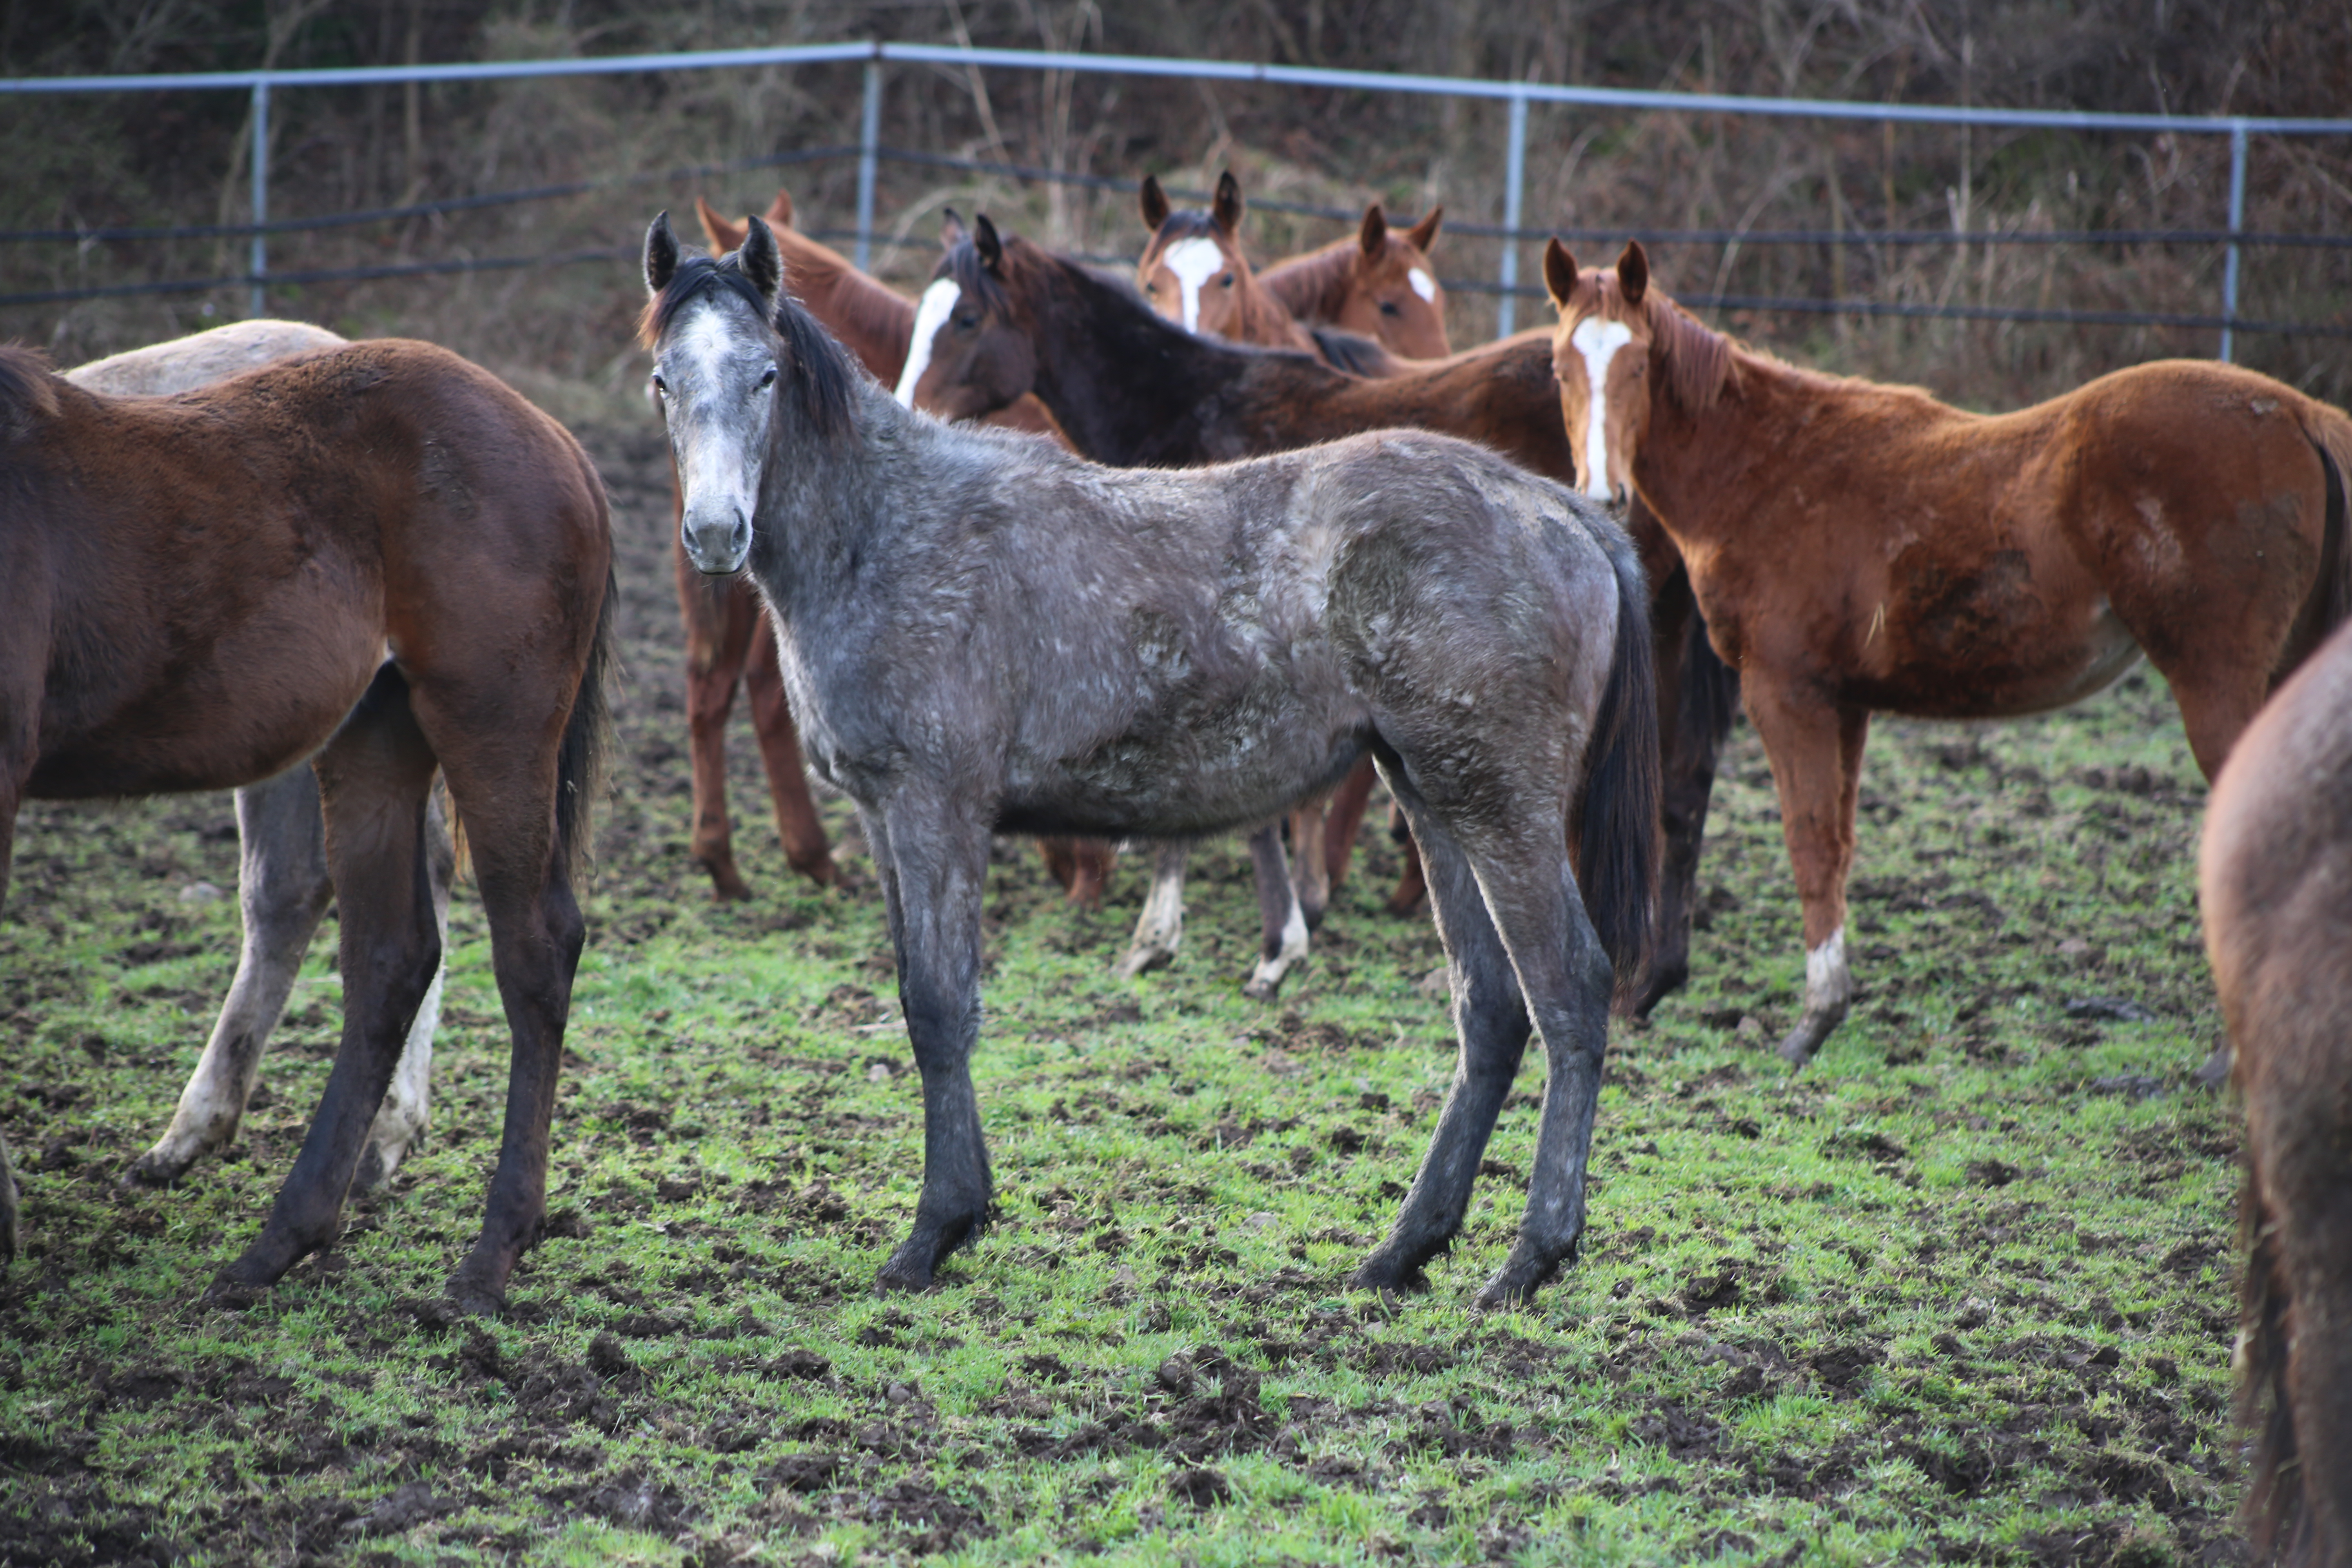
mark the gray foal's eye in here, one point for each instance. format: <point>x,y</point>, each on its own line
<point>768,378</point>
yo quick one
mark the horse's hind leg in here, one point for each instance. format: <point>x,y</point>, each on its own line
<point>373,778</point>
<point>806,848</point>
<point>720,618</point>
<point>1343,817</point>
<point>1159,928</point>
<point>1281,921</point>
<point>407,1109</point>
<point>1310,861</point>
<point>1490,1018</point>
<point>935,856</point>
<point>283,888</point>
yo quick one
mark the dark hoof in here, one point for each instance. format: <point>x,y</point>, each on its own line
<point>911,1268</point>
<point>1806,1038</point>
<point>1515,1283</point>
<point>821,872</point>
<point>233,1295</point>
<point>1661,984</point>
<point>726,885</point>
<point>474,1297</point>
<point>1390,1275</point>
<point>147,1171</point>
<point>1258,990</point>
<point>373,1171</point>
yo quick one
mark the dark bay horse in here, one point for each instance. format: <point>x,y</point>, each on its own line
<point>1859,548</point>
<point>2272,880</point>
<point>728,639</point>
<point>1378,285</point>
<point>379,557</point>
<point>1133,389</point>
<point>283,888</point>
<point>982,631</point>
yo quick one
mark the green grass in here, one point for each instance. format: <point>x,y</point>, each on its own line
<point>1959,1292</point>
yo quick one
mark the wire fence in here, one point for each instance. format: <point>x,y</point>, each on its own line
<point>1510,233</point>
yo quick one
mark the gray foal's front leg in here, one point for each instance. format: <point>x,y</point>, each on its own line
<point>1491,1020</point>
<point>936,859</point>
<point>1281,919</point>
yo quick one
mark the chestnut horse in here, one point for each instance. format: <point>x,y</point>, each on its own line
<point>283,887</point>
<point>382,558</point>
<point>1026,320</point>
<point>985,632</point>
<point>2277,862</point>
<point>1378,285</point>
<point>728,637</point>
<point>1859,548</point>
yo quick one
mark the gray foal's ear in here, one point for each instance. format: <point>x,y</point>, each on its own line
<point>762,262</point>
<point>661,254</point>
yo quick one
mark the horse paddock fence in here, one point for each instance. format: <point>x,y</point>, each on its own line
<point>2230,236</point>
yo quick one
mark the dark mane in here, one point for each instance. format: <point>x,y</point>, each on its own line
<point>820,369</point>
<point>1190,224</point>
<point>962,263</point>
<point>28,390</point>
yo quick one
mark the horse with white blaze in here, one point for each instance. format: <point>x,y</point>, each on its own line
<point>981,631</point>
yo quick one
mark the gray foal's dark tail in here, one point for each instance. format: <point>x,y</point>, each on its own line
<point>1615,820</point>
<point>587,737</point>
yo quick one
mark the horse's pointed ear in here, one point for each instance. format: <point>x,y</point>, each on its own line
<point>1424,233</point>
<point>762,262</point>
<point>1559,272</point>
<point>991,248</point>
<point>661,254</point>
<point>780,211</point>
<point>723,236</point>
<point>1374,234</point>
<point>1633,272</point>
<point>1152,202</point>
<point>953,232</point>
<point>1227,209</point>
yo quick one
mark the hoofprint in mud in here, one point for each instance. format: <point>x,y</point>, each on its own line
<point>981,631</point>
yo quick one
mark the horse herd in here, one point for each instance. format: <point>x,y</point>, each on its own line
<point>1195,555</point>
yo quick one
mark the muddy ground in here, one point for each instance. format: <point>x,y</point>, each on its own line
<point>1959,1293</point>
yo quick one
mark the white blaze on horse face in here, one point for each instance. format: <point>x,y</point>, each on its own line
<point>717,412</point>
<point>932,313</point>
<point>1423,284</point>
<point>1598,342</point>
<point>1194,261</point>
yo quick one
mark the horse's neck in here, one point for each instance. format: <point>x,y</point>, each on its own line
<point>1091,340</point>
<point>1696,467</point>
<point>1311,287</point>
<point>821,498</point>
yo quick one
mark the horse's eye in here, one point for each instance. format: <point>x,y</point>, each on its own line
<point>1226,282</point>
<point>768,378</point>
<point>1389,308</point>
<point>965,322</point>
<point>661,387</point>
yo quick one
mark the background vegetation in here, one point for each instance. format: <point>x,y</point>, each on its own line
<point>179,158</point>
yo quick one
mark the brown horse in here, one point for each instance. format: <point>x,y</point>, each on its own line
<point>728,637</point>
<point>1133,389</point>
<point>2276,861</point>
<point>378,554</point>
<point>1859,548</point>
<point>1378,285</point>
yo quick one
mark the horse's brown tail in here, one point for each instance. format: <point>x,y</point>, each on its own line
<point>1616,810</point>
<point>587,737</point>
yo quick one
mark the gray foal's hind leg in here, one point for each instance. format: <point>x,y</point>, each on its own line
<point>1491,1021</point>
<point>282,890</point>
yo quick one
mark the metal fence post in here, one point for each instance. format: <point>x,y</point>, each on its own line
<point>1515,171</point>
<point>869,138</point>
<point>258,266</point>
<point>2237,227</point>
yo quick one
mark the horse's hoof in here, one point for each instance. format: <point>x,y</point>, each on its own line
<point>903,1274</point>
<point>1661,984</point>
<point>375,1170</point>
<point>2215,1073</point>
<point>1258,988</point>
<point>155,1169</point>
<point>474,1297</point>
<point>1802,1041</point>
<point>1390,1275</point>
<point>820,871</point>
<point>1144,960</point>
<point>1515,1283</point>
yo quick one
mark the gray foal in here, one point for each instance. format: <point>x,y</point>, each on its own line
<point>980,632</point>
